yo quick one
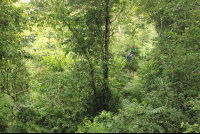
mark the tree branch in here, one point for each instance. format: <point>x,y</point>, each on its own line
<point>69,27</point>
<point>177,45</point>
<point>118,13</point>
<point>184,45</point>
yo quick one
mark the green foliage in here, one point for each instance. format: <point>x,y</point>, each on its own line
<point>54,63</point>
<point>43,113</point>
<point>4,111</point>
<point>195,105</point>
<point>133,90</point>
<point>131,118</point>
<point>59,74</point>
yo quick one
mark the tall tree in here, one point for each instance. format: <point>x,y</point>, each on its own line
<point>89,23</point>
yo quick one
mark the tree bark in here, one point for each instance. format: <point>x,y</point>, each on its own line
<point>106,90</point>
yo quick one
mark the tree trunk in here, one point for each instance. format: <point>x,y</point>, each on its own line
<point>94,87</point>
<point>106,90</point>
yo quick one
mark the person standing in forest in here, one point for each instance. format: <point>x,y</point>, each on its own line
<point>132,53</point>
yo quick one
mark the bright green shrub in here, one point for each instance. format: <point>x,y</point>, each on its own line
<point>133,117</point>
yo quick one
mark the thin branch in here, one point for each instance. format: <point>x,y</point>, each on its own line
<point>112,33</point>
<point>184,45</point>
<point>177,45</point>
<point>8,93</point>
<point>167,51</point>
<point>69,27</point>
<point>149,13</point>
<point>118,13</point>
<point>90,63</point>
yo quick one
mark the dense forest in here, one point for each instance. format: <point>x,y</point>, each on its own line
<point>64,68</point>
